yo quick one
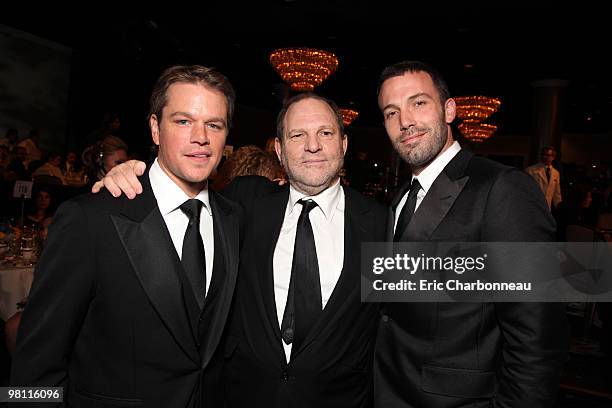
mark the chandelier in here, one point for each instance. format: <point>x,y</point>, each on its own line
<point>476,107</point>
<point>476,131</point>
<point>348,115</point>
<point>303,68</point>
<point>474,110</point>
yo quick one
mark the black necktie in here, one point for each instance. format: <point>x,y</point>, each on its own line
<point>548,174</point>
<point>304,298</point>
<point>194,257</point>
<point>407,210</point>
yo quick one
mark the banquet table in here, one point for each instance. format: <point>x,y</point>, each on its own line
<point>15,282</point>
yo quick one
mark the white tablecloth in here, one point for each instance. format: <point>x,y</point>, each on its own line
<point>14,286</point>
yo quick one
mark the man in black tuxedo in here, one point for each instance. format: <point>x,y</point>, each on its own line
<point>460,354</point>
<point>298,341</point>
<point>130,298</point>
<point>299,335</point>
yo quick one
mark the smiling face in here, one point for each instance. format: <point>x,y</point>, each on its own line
<point>190,134</point>
<point>416,120</point>
<point>312,149</point>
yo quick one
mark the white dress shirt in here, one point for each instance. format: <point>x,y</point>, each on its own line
<point>327,220</point>
<point>169,198</point>
<point>428,176</point>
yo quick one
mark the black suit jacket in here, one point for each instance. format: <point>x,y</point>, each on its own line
<point>473,354</point>
<point>111,316</point>
<point>333,366</point>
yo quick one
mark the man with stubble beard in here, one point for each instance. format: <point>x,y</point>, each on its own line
<point>460,354</point>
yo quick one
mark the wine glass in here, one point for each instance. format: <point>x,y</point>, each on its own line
<point>29,243</point>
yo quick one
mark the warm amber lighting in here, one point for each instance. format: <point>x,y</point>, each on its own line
<point>474,110</point>
<point>303,68</point>
<point>348,115</point>
<point>476,131</point>
<point>476,107</point>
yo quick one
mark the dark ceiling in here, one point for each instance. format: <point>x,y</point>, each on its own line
<point>495,51</point>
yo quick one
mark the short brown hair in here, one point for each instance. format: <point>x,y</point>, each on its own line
<point>190,74</point>
<point>280,126</point>
<point>403,67</point>
<point>111,144</point>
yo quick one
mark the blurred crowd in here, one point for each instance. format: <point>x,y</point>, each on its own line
<point>25,160</point>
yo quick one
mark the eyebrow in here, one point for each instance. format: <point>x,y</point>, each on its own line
<point>181,114</point>
<point>411,98</point>
<point>213,119</point>
<point>332,127</point>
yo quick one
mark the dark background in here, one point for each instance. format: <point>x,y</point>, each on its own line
<point>479,47</point>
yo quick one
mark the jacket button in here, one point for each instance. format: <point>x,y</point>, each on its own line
<point>285,376</point>
<point>385,318</point>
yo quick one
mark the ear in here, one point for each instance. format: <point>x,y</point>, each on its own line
<point>450,110</point>
<point>344,143</point>
<point>278,148</point>
<point>154,126</point>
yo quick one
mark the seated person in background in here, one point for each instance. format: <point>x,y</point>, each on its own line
<point>51,168</point>
<point>248,161</point>
<point>11,139</point>
<point>102,156</point>
<point>30,144</point>
<point>70,164</point>
<point>42,208</point>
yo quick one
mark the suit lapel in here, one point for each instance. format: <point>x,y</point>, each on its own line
<point>144,235</point>
<point>439,199</point>
<point>355,232</point>
<point>542,173</point>
<point>228,227</point>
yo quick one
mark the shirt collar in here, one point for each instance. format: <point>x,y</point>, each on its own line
<point>169,196</point>
<point>327,200</point>
<point>431,172</point>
